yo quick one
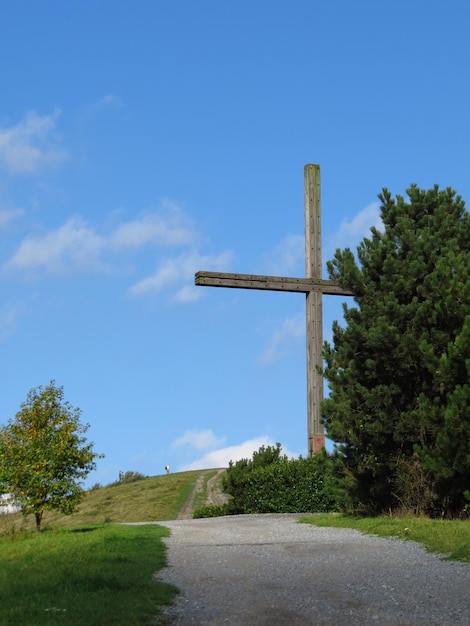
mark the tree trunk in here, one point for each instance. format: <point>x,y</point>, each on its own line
<point>38,521</point>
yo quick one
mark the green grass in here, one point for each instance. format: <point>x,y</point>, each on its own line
<point>451,539</point>
<point>84,569</point>
<point>85,576</point>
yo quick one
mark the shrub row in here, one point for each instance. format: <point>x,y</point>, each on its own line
<point>272,483</point>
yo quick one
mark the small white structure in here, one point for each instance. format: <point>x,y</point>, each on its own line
<point>8,505</point>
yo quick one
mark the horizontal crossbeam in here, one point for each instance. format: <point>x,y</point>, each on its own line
<point>271,283</point>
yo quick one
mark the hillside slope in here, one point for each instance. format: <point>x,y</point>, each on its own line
<point>155,498</point>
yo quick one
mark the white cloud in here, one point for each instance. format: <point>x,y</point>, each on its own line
<point>72,247</point>
<point>287,256</point>
<point>29,146</point>
<point>187,293</point>
<point>222,456</point>
<point>351,232</point>
<point>290,330</point>
<point>199,439</point>
<point>77,247</point>
<point>169,228</point>
<point>181,269</point>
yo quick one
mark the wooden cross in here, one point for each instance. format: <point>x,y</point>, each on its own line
<point>313,286</point>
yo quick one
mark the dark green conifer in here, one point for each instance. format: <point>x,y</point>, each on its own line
<point>399,369</point>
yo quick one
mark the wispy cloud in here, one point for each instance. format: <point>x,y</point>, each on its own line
<point>169,227</point>
<point>287,257</point>
<point>180,270</point>
<point>199,439</point>
<point>9,313</point>
<point>73,247</point>
<point>8,215</point>
<point>78,247</point>
<point>291,329</point>
<point>108,101</point>
<point>31,145</point>
<point>352,231</point>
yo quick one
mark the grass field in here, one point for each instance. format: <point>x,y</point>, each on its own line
<point>85,568</point>
<point>448,538</point>
<point>95,575</point>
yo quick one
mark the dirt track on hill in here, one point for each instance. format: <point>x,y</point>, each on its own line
<point>214,494</point>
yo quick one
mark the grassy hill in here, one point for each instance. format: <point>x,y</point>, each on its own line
<point>155,498</point>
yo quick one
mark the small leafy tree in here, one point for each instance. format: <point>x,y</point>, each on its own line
<point>399,371</point>
<point>44,455</point>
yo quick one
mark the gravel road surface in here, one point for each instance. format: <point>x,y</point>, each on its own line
<point>267,569</point>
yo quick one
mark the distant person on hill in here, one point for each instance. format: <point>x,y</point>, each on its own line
<point>167,469</point>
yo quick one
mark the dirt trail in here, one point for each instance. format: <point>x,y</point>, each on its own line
<point>214,494</point>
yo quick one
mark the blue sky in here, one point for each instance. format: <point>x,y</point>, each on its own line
<point>143,141</point>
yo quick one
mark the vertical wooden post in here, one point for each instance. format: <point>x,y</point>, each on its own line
<point>314,322</point>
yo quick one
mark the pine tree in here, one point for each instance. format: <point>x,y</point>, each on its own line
<point>399,369</point>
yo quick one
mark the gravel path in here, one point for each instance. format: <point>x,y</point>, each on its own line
<point>267,569</point>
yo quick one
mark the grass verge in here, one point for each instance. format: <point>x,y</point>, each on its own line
<point>451,539</point>
<point>96,575</point>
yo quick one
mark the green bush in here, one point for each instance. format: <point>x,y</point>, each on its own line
<point>128,477</point>
<point>273,483</point>
<point>210,510</point>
